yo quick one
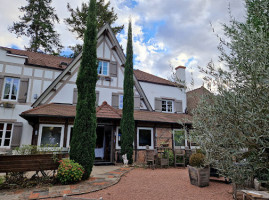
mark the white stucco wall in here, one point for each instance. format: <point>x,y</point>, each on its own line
<point>105,88</point>
<point>12,114</point>
<point>11,59</point>
<point>153,91</point>
<point>39,79</point>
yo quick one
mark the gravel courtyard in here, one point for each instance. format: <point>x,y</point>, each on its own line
<point>146,184</point>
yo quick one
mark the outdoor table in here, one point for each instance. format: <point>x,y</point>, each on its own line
<point>254,194</point>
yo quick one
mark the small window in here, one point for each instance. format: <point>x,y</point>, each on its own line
<point>167,106</point>
<point>51,136</point>
<point>120,101</point>
<point>102,68</point>
<point>179,138</point>
<point>118,138</point>
<point>144,138</point>
<point>11,88</point>
<point>5,134</point>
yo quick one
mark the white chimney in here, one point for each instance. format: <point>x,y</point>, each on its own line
<point>180,74</point>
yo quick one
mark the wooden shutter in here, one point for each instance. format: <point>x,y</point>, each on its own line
<point>113,69</point>
<point>137,102</point>
<point>178,106</point>
<point>1,85</point>
<point>24,82</point>
<point>16,135</point>
<point>158,104</point>
<point>115,100</point>
<point>75,96</point>
<point>97,98</point>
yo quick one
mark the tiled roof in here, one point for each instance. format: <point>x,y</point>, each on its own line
<point>40,59</point>
<point>146,77</point>
<point>105,111</point>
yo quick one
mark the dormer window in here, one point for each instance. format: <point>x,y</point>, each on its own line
<point>167,106</point>
<point>102,68</point>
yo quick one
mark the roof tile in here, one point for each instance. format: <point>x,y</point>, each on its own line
<point>40,59</point>
<point>146,77</point>
<point>106,111</point>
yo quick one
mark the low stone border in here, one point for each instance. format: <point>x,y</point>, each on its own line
<point>98,182</point>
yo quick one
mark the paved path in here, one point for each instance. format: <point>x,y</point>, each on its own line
<point>160,184</point>
<point>102,178</point>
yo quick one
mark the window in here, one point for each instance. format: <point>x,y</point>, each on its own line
<point>118,138</point>
<point>51,135</point>
<point>167,105</point>
<point>102,68</point>
<point>69,135</point>
<point>5,134</point>
<point>120,101</point>
<point>144,138</point>
<point>11,88</point>
<point>179,138</point>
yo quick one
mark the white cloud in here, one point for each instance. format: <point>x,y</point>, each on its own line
<point>183,30</point>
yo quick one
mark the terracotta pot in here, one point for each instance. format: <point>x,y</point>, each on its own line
<point>199,176</point>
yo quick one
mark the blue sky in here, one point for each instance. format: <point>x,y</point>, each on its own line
<point>165,33</point>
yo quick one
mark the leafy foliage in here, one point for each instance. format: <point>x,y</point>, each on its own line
<point>127,121</point>
<point>197,160</point>
<point>38,24</point>
<point>69,171</point>
<point>78,20</point>
<point>84,137</point>
<point>232,127</point>
<point>33,149</point>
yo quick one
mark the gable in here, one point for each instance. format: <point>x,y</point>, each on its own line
<point>108,50</point>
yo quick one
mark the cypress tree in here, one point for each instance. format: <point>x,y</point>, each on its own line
<point>38,24</point>
<point>127,121</point>
<point>84,135</point>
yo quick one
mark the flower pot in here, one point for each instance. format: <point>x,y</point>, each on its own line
<point>199,176</point>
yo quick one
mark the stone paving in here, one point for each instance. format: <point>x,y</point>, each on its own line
<point>95,183</point>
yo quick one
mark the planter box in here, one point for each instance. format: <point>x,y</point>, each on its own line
<point>7,104</point>
<point>23,163</point>
<point>199,176</point>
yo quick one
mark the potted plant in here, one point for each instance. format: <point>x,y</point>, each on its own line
<point>199,173</point>
<point>7,104</point>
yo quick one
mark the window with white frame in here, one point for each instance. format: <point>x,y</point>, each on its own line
<point>102,68</point>
<point>51,135</point>
<point>120,101</point>
<point>69,135</point>
<point>118,138</point>
<point>144,138</point>
<point>11,89</point>
<point>167,105</point>
<point>5,134</point>
<point>180,138</point>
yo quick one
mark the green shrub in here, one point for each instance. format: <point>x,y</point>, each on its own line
<point>199,151</point>
<point>69,171</point>
<point>197,160</point>
<point>2,179</point>
<point>171,158</point>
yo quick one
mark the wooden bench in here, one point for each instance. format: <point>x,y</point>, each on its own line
<point>24,163</point>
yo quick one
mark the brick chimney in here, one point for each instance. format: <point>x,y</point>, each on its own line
<point>180,73</point>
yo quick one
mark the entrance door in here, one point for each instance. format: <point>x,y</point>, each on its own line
<point>103,144</point>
